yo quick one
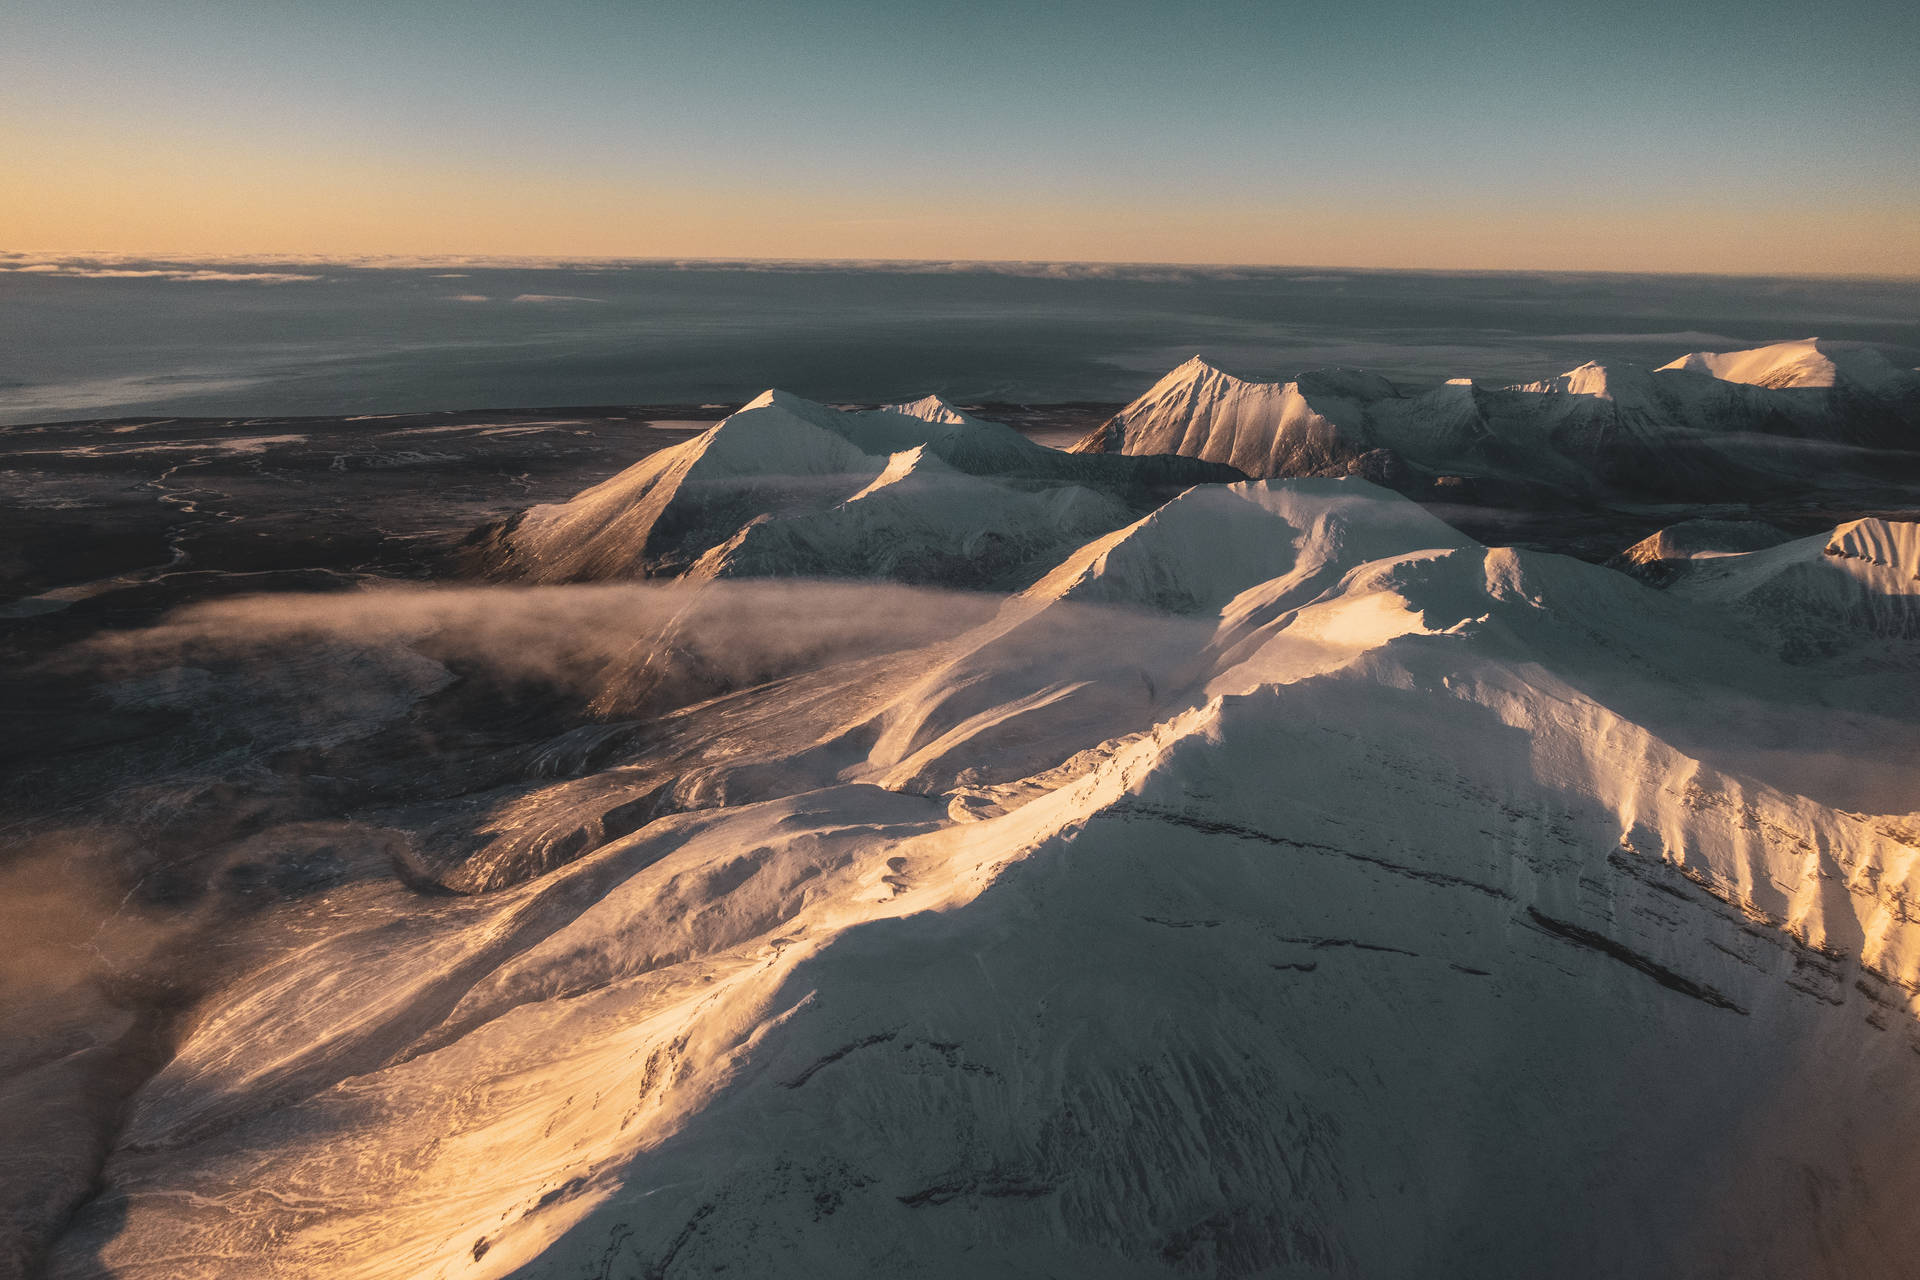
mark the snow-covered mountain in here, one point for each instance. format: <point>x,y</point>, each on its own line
<point>1661,554</point>
<point>1280,883</point>
<point>1703,426</point>
<point>920,520</point>
<point>1811,363</point>
<point>914,492</point>
<point>1312,426</point>
<point>1857,586</point>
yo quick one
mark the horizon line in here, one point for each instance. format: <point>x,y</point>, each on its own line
<point>404,261</point>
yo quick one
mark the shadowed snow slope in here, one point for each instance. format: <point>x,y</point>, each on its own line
<point>1825,594</point>
<point>1283,885</point>
<point>919,521</point>
<point>1704,425</point>
<point>790,486</point>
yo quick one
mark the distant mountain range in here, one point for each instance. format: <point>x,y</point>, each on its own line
<point>923,493</point>
<point>1704,427</point>
<point>916,492</point>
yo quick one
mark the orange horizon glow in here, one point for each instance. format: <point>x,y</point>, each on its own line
<point>1496,136</point>
<point>179,201</point>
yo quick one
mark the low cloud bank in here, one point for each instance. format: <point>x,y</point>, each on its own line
<point>583,639</point>
<point>196,275</point>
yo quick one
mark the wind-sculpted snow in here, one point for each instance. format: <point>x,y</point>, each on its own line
<point>1281,884</point>
<point>1733,425</point>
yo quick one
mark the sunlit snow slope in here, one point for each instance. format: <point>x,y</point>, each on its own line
<point>1281,884</point>
<point>914,492</point>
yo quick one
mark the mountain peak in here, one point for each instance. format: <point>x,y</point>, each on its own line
<point>1809,362</point>
<point>1193,369</point>
<point>1602,382</point>
<point>766,399</point>
<point>929,409</point>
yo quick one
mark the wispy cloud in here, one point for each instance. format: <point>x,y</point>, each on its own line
<point>197,275</point>
<point>1144,272</point>
<point>457,266</point>
<point>95,395</point>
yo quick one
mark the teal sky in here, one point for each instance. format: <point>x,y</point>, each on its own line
<point>1487,133</point>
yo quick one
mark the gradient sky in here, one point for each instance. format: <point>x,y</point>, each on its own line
<point>1624,135</point>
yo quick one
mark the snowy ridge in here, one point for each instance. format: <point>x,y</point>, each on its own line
<point>931,409</point>
<point>1890,545</point>
<point>778,454</point>
<point>919,521</point>
<point>791,486</point>
<point>1659,553</point>
<point>1810,363</point>
<point>1210,544</point>
<point>1306,427</point>
<point>1628,384</point>
<point>1704,425</point>
<point>1281,884</point>
<point>1823,596</point>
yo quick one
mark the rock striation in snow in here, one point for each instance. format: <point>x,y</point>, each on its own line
<point>1281,883</point>
<point>1312,426</point>
<point>1704,426</point>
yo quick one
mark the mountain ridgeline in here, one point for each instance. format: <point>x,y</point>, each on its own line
<point>922,493</point>
<point>1704,428</point>
<point>976,859</point>
<point>917,493</point>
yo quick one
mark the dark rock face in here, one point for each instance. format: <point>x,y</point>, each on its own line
<point>1385,468</point>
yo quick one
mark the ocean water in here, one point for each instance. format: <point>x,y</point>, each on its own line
<point>83,338</point>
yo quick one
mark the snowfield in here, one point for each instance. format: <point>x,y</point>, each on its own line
<point>1235,879</point>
